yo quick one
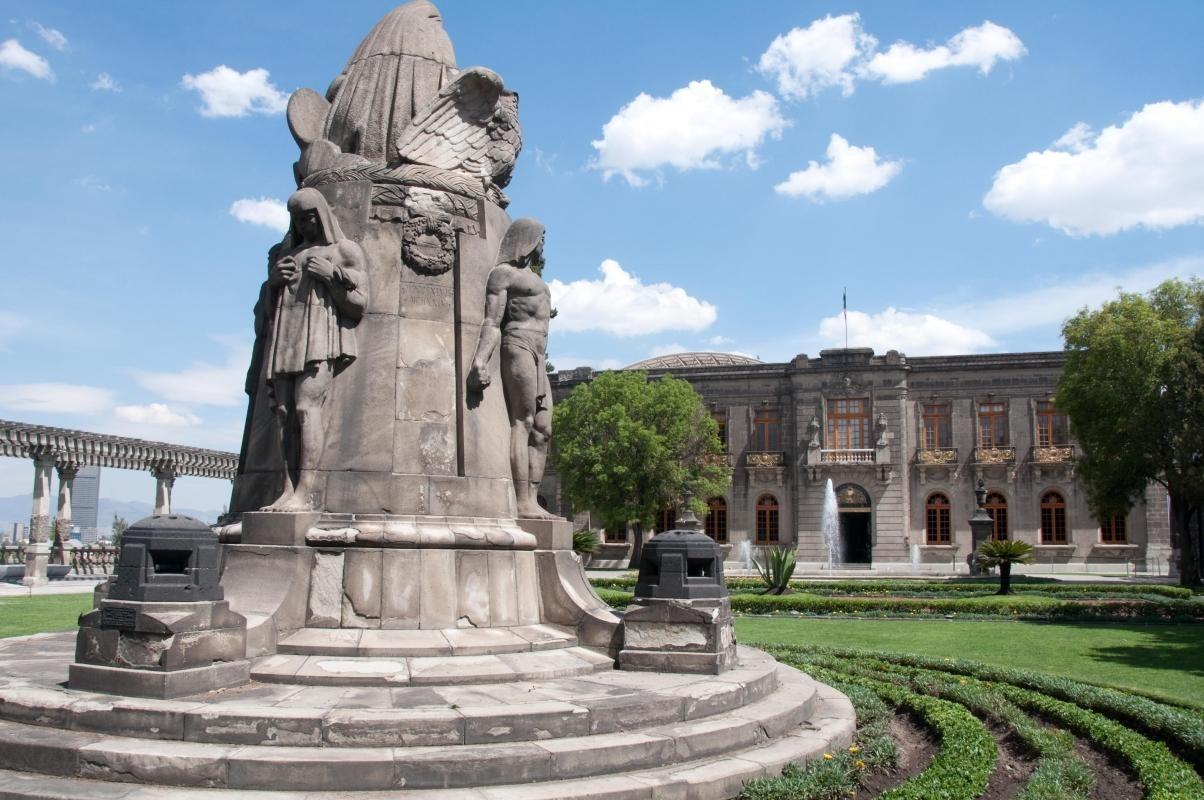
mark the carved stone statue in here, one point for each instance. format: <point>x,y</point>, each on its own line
<point>317,291</point>
<point>518,308</point>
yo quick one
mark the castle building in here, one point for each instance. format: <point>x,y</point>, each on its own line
<point>898,445</point>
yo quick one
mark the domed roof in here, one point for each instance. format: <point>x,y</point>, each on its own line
<point>693,360</point>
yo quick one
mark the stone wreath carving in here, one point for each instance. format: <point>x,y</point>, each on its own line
<point>428,245</point>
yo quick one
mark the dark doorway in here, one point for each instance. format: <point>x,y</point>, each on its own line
<point>856,533</point>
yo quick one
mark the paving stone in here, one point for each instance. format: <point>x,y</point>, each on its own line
<point>485,641</point>
<point>404,643</point>
<point>441,768</point>
<point>142,761</point>
<point>266,725</point>
<point>619,714</point>
<point>466,669</point>
<point>46,750</point>
<point>393,727</point>
<point>322,641</point>
<point>145,718</point>
<point>335,671</point>
<point>613,752</point>
<point>531,722</point>
<point>314,769</point>
<point>546,637</point>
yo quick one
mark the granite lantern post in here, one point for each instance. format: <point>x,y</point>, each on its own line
<point>982,526</point>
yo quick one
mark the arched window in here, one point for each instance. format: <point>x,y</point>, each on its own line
<point>716,522</point>
<point>1053,518</point>
<point>937,516</point>
<point>666,520</point>
<point>767,519</point>
<point>1112,530</point>
<point>997,507</point>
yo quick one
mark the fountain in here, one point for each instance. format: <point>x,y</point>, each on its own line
<point>830,523</point>
<point>915,558</point>
<point>746,556</point>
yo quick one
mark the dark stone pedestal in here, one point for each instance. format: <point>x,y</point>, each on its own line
<point>160,649</point>
<point>664,635</point>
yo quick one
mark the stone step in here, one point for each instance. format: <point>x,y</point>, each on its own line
<point>604,748</point>
<point>429,670</point>
<point>280,714</point>
<point>830,727</point>
<point>376,643</point>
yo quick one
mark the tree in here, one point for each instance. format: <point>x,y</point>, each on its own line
<point>1134,389</point>
<point>119,526</point>
<point>1003,553</point>
<point>627,447</point>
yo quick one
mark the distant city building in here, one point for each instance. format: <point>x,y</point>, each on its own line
<point>13,532</point>
<point>903,442</point>
<point>85,504</point>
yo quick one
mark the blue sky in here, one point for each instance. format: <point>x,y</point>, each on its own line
<point>712,177</point>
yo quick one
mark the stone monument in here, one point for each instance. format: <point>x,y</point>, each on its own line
<point>395,613</point>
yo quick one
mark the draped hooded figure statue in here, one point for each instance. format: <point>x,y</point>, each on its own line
<point>518,308</point>
<point>316,293</point>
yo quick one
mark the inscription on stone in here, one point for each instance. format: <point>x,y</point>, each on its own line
<point>119,617</point>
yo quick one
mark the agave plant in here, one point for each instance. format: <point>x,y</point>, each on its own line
<point>777,570</point>
<point>586,542</point>
<point>1003,554</point>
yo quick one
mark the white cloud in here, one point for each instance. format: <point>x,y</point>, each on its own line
<point>666,349</point>
<point>719,341</point>
<point>203,383</point>
<point>158,414</point>
<point>266,211</point>
<point>1148,172</point>
<point>691,129</point>
<point>104,83</point>
<point>622,305</point>
<point>566,362</point>
<point>55,398</point>
<point>825,54</point>
<point>94,183</point>
<point>911,333</point>
<point>15,57</point>
<point>849,171</point>
<point>51,36</point>
<point>835,52</point>
<point>229,93</point>
<point>980,47</point>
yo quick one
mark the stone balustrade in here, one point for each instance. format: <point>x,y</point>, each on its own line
<point>850,456</point>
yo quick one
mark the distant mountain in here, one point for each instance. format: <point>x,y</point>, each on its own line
<point>16,509</point>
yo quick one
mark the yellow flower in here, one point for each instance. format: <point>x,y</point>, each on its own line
<point>859,764</point>
<point>854,749</point>
<point>827,756</point>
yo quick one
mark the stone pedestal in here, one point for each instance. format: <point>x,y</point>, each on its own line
<point>694,636</point>
<point>37,558</point>
<point>550,534</point>
<point>276,527</point>
<point>160,649</point>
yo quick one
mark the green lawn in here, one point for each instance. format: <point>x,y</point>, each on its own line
<point>55,612</point>
<point>1161,660</point>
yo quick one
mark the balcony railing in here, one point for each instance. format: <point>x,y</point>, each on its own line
<point>1053,454</point>
<point>936,456</point>
<point>722,459</point>
<point>994,455</point>
<point>858,456</point>
<point>765,458</point>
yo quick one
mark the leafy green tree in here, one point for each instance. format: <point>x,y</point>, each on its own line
<point>1134,389</point>
<point>627,447</point>
<point>1003,553</point>
<point>119,526</point>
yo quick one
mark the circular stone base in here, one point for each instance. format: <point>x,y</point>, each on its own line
<point>602,734</point>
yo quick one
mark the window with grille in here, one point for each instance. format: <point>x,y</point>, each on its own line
<point>1112,530</point>
<point>1053,518</point>
<point>716,521</point>
<point>720,418</point>
<point>666,520</point>
<point>937,511</point>
<point>1053,427</point>
<point>997,507</point>
<point>992,424</point>
<point>767,430</point>
<point>616,533</point>
<point>767,519</point>
<point>849,426</point>
<point>935,422</point>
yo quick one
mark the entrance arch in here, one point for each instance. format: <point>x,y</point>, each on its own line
<point>856,524</point>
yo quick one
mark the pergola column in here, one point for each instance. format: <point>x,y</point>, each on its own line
<point>165,479</point>
<point>62,520</point>
<point>37,550</point>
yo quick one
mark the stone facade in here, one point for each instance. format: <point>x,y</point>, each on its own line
<point>881,455</point>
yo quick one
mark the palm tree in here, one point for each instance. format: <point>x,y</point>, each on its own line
<point>1003,553</point>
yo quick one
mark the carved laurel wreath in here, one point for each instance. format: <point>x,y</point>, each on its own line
<point>428,244</point>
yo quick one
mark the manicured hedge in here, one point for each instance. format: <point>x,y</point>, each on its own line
<point>1012,606</point>
<point>1182,728</point>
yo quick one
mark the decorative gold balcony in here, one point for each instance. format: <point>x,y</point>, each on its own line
<point>858,456</point>
<point>937,456</point>
<point>994,455</point>
<point>723,459</point>
<point>1053,454</point>
<point>764,459</point>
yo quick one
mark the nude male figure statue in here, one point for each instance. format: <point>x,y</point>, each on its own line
<point>317,292</point>
<point>518,307</point>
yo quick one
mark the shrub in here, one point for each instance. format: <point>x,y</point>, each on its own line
<point>778,569</point>
<point>1003,554</point>
<point>586,542</point>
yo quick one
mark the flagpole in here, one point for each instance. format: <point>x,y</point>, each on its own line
<point>844,302</point>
